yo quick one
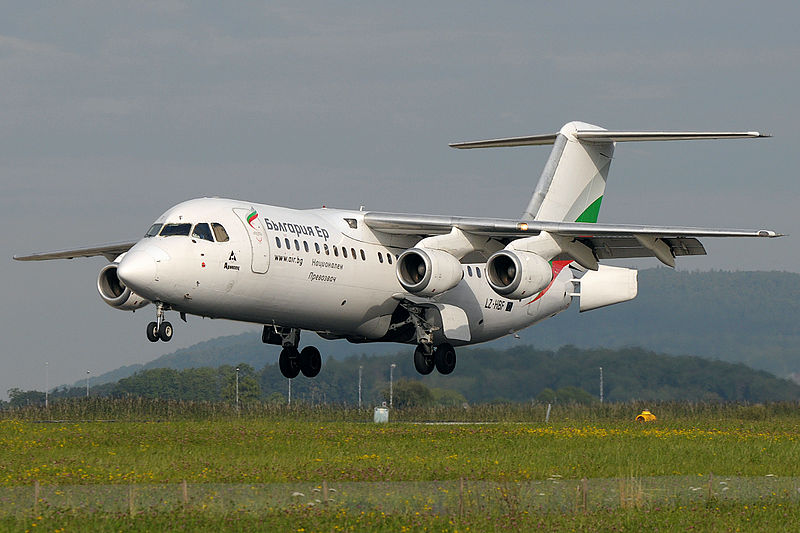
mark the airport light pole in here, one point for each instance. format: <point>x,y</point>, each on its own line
<point>601,384</point>
<point>237,388</point>
<point>360,368</point>
<point>391,384</point>
<point>87,383</point>
<point>46,383</point>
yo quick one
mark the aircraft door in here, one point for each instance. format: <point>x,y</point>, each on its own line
<point>259,244</point>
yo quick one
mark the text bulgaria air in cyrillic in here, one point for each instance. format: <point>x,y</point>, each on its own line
<point>297,229</point>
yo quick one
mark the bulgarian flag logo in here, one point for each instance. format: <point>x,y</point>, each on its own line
<point>251,217</point>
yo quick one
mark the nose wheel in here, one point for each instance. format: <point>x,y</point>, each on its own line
<point>160,330</point>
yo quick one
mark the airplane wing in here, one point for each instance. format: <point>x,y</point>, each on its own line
<point>109,251</point>
<point>607,241</point>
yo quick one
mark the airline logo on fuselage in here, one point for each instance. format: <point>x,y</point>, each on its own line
<point>297,229</point>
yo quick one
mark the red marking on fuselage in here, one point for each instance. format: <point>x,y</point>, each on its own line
<point>557,267</point>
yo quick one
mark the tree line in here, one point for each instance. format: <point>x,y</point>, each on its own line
<point>483,375</point>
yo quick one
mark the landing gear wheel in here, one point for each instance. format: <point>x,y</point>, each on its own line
<point>445,357</point>
<point>289,362</point>
<point>152,331</point>
<point>165,332</point>
<point>310,361</point>
<point>423,360</point>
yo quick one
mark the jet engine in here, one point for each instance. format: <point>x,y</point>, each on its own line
<point>517,274</point>
<point>427,272</point>
<point>115,293</point>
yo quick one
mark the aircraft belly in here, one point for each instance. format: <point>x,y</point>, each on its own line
<point>289,296</point>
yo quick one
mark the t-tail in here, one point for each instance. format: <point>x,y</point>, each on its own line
<point>573,181</point>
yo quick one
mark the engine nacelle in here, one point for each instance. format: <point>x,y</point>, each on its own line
<point>517,275</point>
<point>428,272</point>
<point>115,293</point>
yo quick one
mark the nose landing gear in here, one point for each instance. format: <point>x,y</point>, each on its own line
<point>160,329</point>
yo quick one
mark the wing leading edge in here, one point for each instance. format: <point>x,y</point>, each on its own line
<point>607,241</point>
<point>109,251</point>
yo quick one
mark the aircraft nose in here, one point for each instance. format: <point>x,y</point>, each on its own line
<point>137,270</point>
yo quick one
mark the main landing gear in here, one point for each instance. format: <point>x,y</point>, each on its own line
<point>443,358</point>
<point>160,329</point>
<point>427,357</point>
<point>291,361</point>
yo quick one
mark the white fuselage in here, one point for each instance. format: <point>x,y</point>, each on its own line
<point>321,270</point>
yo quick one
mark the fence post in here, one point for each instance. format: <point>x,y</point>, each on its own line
<point>185,491</point>
<point>710,485</point>
<point>461,498</point>
<point>131,506</point>
<point>36,497</point>
<point>547,416</point>
<point>585,490</point>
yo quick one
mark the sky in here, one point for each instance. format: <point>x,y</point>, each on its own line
<point>112,111</point>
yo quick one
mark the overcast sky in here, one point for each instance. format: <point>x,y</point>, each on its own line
<point>111,112</point>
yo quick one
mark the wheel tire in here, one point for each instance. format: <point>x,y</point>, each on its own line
<point>423,360</point>
<point>445,357</point>
<point>310,361</point>
<point>165,332</point>
<point>289,362</point>
<point>152,331</point>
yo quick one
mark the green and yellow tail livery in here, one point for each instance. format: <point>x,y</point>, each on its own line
<point>573,181</point>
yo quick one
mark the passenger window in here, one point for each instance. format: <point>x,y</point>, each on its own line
<point>469,270</point>
<point>380,258</point>
<point>327,250</point>
<point>335,251</point>
<point>353,253</point>
<point>153,231</point>
<point>288,244</point>
<point>316,246</point>
<point>278,242</point>
<point>202,231</point>
<point>296,245</point>
<point>344,252</point>
<point>305,246</point>
<point>478,271</point>
<point>363,256</point>
<point>219,232</point>
<point>389,258</point>
<point>181,230</point>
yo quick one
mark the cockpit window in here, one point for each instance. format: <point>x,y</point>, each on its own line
<point>153,231</point>
<point>176,229</point>
<point>219,232</point>
<point>202,231</point>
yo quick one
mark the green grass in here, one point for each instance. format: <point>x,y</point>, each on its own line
<point>767,516</point>
<point>164,443</point>
<point>254,450</point>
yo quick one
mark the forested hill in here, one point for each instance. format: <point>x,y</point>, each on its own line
<point>748,317</point>
<point>518,374</point>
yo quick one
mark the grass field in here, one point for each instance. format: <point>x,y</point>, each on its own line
<point>717,467</point>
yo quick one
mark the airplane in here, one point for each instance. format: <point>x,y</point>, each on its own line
<point>436,282</point>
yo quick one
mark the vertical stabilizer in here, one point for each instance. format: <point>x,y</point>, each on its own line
<point>573,181</point>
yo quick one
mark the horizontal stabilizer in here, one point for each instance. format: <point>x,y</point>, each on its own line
<point>631,136</point>
<point>615,136</point>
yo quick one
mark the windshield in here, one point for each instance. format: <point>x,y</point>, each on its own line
<point>153,231</point>
<point>176,229</point>
<point>202,231</point>
<point>219,232</point>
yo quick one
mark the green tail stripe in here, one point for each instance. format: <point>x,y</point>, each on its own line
<point>590,213</point>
